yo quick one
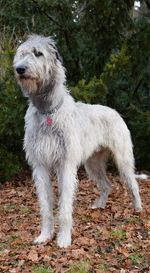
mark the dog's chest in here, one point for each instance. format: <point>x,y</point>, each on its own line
<point>44,139</point>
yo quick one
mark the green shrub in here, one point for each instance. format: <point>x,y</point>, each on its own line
<point>11,119</point>
<point>139,124</point>
<point>124,82</point>
<point>94,91</point>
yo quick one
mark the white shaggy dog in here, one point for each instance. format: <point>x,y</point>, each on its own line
<point>61,134</point>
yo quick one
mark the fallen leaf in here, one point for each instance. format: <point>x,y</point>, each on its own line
<point>33,256</point>
<point>127,264</point>
<point>76,253</point>
<point>122,270</point>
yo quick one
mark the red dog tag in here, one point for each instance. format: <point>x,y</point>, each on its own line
<point>49,121</point>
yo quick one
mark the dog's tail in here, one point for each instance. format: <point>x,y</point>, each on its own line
<point>141,176</point>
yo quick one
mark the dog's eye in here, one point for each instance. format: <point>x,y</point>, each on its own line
<point>37,53</point>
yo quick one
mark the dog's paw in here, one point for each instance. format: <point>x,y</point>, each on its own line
<point>138,209</point>
<point>63,240</point>
<point>42,238</point>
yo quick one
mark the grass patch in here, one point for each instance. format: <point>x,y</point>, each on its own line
<point>133,219</point>
<point>2,246</point>
<point>103,267</point>
<point>16,242</point>
<point>25,210</point>
<point>14,238</point>
<point>41,269</point>
<point>10,207</point>
<point>82,267</point>
<point>137,259</point>
<point>118,234</point>
<point>84,218</point>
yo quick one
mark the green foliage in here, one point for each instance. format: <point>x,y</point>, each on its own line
<point>139,123</point>
<point>11,119</point>
<point>127,78</point>
<point>124,85</point>
<point>86,31</point>
<point>91,92</point>
<point>107,56</point>
<point>9,165</point>
<point>103,26</point>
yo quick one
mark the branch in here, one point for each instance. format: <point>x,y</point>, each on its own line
<point>45,13</point>
<point>147,3</point>
<point>64,30</point>
<point>137,86</point>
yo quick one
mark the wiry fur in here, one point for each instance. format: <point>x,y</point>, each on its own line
<point>80,134</point>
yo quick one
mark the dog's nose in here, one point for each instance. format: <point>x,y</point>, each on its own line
<point>21,70</point>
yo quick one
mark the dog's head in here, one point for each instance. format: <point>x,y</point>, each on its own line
<point>38,64</point>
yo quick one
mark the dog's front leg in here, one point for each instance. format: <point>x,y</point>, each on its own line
<point>67,185</point>
<point>44,191</point>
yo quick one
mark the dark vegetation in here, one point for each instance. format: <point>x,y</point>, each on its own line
<point>106,50</point>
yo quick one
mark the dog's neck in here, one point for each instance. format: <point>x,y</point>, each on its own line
<point>48,101</point>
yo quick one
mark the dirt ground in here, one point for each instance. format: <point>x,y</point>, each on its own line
<point>115,239</point>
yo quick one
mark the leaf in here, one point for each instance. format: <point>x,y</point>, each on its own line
<point>95,214</point>
<point>85,241</point>
<point>33,256</point>
<point>127,264</point>
<point>76,253</point>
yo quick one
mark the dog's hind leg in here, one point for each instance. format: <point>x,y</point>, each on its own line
<point>44,190</point>
<point>122,151</point>
<point>126,169</point>
<point>96,169</point>
<point>67,185</point>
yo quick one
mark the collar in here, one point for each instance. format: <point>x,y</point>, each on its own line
<point>53,110</point>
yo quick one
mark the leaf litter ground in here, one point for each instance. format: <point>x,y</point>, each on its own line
<point>111,240</point>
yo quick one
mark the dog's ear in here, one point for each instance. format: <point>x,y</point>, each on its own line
<point>58,56</point>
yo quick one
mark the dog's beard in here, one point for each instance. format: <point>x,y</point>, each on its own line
<point>28,85</point>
